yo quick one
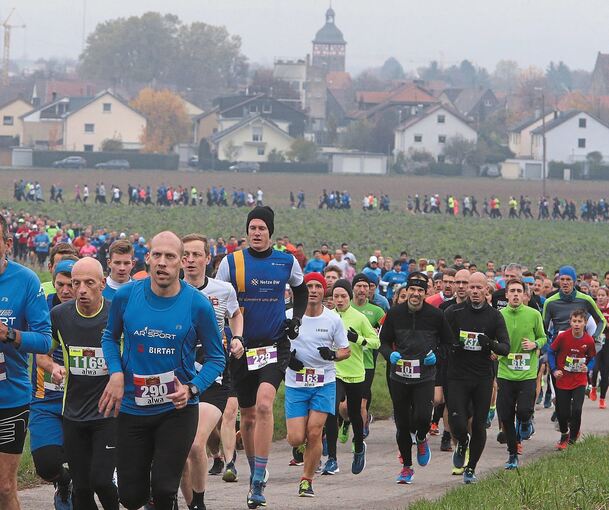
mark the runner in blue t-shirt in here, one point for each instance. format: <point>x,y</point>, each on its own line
<point>153,380</point>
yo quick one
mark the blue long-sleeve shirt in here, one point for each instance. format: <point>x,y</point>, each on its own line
<point>314,266</point>
<point>22,307</point>
<point>160,337</point>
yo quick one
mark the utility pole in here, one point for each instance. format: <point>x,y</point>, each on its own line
<point>6,53</point>
<point>543,134</point>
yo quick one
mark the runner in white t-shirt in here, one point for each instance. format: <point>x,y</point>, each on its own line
<point>310,392</point>
<point>218,402</point>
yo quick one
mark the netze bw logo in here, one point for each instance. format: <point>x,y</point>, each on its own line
<point>254,281</point>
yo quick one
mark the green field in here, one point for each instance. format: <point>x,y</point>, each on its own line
<point>570,480</point>
<point>530,242</point>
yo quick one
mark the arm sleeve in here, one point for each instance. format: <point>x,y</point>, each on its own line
<point>296,276</point>
<point>340,335</point>
<point>232,305</point>
<point>112,334</point>
<point>502,348</point>
<point>386,336</point>
<point>546,316</point>
<point>209,338</point>
<point>368,333</point>
<point>540,334</point>
<point>223,271</point>
<point>37,339</point>
<point>552,354</point>
<point>301,296</point>
<point>598,317</point>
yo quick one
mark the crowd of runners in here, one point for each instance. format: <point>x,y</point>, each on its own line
<point>145,355</point>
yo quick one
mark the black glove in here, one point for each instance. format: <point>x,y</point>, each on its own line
<point>484,341</point>
<point>327,353</point>
<point>352,335</point>
<point>292,327</point>
<point>294,363</point>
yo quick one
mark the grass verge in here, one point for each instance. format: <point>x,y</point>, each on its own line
<point>575,479</point>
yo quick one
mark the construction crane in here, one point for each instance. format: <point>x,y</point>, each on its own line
<point>6,54</point>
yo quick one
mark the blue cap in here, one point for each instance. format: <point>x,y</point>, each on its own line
<point>528,279</point>
<point>568,271</point>
<point>141,240</point>
<point>65,266</point>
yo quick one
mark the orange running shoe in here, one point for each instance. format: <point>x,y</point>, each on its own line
<point>593,394</point>
<point>602,404</point>
<point>434,430</point>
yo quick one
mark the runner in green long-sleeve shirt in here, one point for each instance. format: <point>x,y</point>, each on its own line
<point>517,377</point>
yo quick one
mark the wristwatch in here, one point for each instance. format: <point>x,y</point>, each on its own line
<point>237,337</point>
<point>193,390</point>
<point>11,335</point>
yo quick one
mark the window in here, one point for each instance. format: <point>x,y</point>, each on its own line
<point>260,151</point>
<point>89,128</point>
<point>253,108</point>
<point>581,143</point>
<point>267,108</point>
<point>88,148</point>
<point>8,120</point>
<point>418,138</point>
<point>107,108</point>
<point>441,158</point>
<point>256,134</point>
<point>582,123</point>
<point>441,119</point>
<point>442,139</point>
<point>488,103</point>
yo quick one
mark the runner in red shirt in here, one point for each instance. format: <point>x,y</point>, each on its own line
<point>569,355</point>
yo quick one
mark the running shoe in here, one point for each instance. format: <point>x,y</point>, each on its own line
<point>63,497</point>
<point>230,473</point>
<point>217,467</point>
<point>563,443</point>
<point>320,468</point>
<point>459,454</point>
<point>267,475</point>
<point>297,456</point>
<point>490,416</point>
<point>434,430</point>
<point>588,390</point>
<point>593,394</point>
<point>501,439</point>
<point>547,402</point>
<point>526,429</point>
<point>405,476</point>
<point>343,432</point>
<point>512,462</point>
<point>602,404</point>
<point>457,471</point>
<point>305,489</point>
<point>539,398</point>
<point>256,498</point>
<point>446,443</point>
<point>331,467</point>
<point>423,453</point>
<point>359,461</point>
<point>469,476</point>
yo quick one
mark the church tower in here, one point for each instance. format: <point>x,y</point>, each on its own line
<point>329,46</point>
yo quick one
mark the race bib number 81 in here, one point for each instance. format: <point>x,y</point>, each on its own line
<point>408,368</point>
<point>310,377</point>
<point>152,390</point>
<point>87,361</point>
<point>469,340</point>
<point>260,357</point>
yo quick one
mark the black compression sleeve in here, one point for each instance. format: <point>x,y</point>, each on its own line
<point>301,296</point>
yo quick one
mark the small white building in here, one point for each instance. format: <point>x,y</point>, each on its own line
<point>366,163</point>
<point>571,137</point>
<point>520,139</point>
<point>429,130</point>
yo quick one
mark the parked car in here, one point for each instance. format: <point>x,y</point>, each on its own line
<point>245,166</point>
<point>114,164</point>
<point>193,161</point>
<point>70,162</point>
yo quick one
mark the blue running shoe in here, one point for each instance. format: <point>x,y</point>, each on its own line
<point>331,467</point>
<point>256,498</point>
<point>547,401</point>
<point>526,429</point>
<point>539,398</point>
<point>63,497</point>
<point>423,453</point>
<point>512,462</point>
<point>469,476</point>
<point>459,454</point>
<point>405,476</point>
<point>359,461</point>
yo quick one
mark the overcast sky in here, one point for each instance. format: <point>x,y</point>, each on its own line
<point>532,32</point>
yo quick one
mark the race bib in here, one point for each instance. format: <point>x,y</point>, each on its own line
<point>151,390</point>
<point>310,377</point>
<point>260,357</point>
<point>575,364</point>
<point>88,361</point>
<point>469,340</point>
<point>2,367</point>
<point>408,368</point>
<point>520,362</point>
<point>49,384</point>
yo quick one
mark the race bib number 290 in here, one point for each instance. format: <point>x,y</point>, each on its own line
<point>153,389</point>
<point>260,357</point>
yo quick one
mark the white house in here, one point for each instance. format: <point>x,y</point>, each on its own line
<point>429,130</point>
<point>251,139</point>
<point>520,140</point>
<point>571,137</point>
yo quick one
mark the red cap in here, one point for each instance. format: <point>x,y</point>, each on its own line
<point>317,277</point>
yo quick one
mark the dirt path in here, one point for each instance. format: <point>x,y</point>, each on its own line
<point>375,488</point>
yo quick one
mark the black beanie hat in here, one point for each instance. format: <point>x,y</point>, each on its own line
<point>360,277</point>
<point>343,284</point>
<point>264,213</point>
